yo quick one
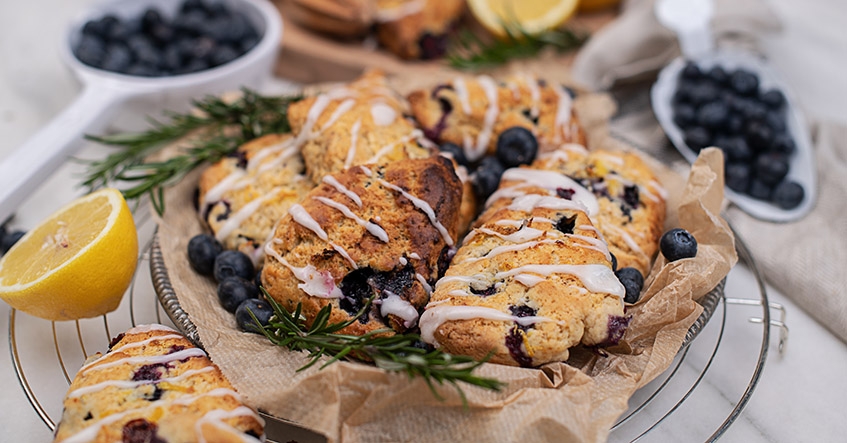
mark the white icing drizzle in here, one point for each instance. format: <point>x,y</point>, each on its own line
<point>235,220</point>
<point>289,152</point>
<point>595,277</point>
<point>402,10</point>
<point>491,113</point>
<point>372,228</point>
<point>415,256</point>
<point>520,236</point>
<point>315,283</point>
<point>462,91</point>
<point>656,186</point>
<point>415,134</point>
<point>215,417</point>
<point>365,170</point>
<point>351,152</point>
<point>626,238</point>
<point>394,304</point>
<point>509,248</point>
<point>340,110</point>
<point>593,243</point>
<point>550,180</point>
<point>147,359</point>
<point>527,203</point>
<point>129,384</point>
<point>534,93</point>
<point>529,280</point>
<point>459,293</point>
<point>332,181</point>
<point>148,328</point>
<point>301,216</point>
<point>216,192</point>
<point>479,281</point>
<point>382,114</point>
<point>563,111</point>
<point>510,223</point>
<point>515,88</point>
<point>424,283</point>
<point>423,206</point>
<point>403,261</point>
<point>610,157</point>
<point>433,317</point>
<point>142,343</point>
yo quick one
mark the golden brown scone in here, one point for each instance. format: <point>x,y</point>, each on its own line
<point>360,123</point>
<point>243,196</point>
<point>417,29</point>
<point>473,112</point>
<point>526,286</point>
<point>341,18</point>
<point>331,250</point>
<point>153,385</point>
<point>624,198</point>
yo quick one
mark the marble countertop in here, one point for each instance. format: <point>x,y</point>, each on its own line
<point>800,395</point>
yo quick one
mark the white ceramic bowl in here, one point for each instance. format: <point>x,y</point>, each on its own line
<point>802,161</point>
<point>112,98</point>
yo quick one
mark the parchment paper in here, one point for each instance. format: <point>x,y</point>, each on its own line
<point>575,401</point>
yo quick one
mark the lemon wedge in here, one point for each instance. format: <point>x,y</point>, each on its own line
<point>75,264</point>
<point>531,16</point>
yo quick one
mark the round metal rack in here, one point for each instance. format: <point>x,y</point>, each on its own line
<point>59,348</point>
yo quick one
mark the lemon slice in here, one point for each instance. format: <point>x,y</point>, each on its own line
<point>76,264</point>
<point>531,16</point>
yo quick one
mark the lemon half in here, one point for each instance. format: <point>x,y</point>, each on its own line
<point>75,264</point>
<point>531,16</point>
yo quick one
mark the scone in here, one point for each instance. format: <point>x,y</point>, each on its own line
<point>153,385</point>
<point>384,231</point>
<point>356,124</point>
<point>525,287</point>
<point>473,112</point>
<point>417,29</point>
<point>243,196</point>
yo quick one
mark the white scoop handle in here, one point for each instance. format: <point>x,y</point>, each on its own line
<point>33,162</point>
<point>691,21</point>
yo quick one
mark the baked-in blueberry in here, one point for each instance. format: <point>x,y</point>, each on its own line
<point>632,281</point>
<point>232,291</point>
<point>486,178</point>
<point>260,308</point>
<point>230,263</point>
<point>202,250</point>
<point>677,244</point>
<point>788,194</point>
<point>516,146</point>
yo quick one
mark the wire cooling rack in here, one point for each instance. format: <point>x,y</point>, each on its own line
<point>58,349</point>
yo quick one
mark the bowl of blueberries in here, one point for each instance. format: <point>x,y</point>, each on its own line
<point>736,102</point>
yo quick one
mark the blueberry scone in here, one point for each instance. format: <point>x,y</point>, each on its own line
<point>153,385</point>
<point>243,196</point>
<point>417,29</point>
<point>473,112</point>
<point>359,123</point>
<point>382,231</point>
<point>533,281</point>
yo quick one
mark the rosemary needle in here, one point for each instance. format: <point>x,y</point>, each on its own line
<point>471,53</point>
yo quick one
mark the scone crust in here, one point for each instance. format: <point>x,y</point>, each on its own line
<point>421,34</point>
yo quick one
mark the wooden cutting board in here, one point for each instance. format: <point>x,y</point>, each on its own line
<point>310,57</point>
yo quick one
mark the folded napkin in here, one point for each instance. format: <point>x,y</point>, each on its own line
<point>805,259</point>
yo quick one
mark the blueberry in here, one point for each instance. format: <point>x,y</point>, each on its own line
<point>171,59</point>
<point>734,124</point>
<point>759,135</point>
<point>744,82</point>
<point>516,146</point>
<point>162,34</point>
<point>233,263</point>
<point>773,98</point>
<point>193,65</point>
<point>697,138</point>
<point>632,281</point>
<point>117,58</point>
<point>712,115</point>
<point>232,291</point>
<point>143,50</point>
<point>788,194</point>
<point>224,54</point>
<point>202,250</point>
<point>9,240</point>
<point>737,176</point>
<point>691,71</point>
<point>678,244</point>
<point>193,6</point>
<point>614,262</point>
<point>736,149</point>
<point>150,19</point>
<point>486,178</point>
<point>702,93</point>
<point>776,121</point>
<point>718,75</point>
<point>143,70</point>
<point>771,168</point>
<point>760,190</point>
<point>90,50</point>
<point>784,144</point>
<point>456,152</point>
<point>684,115</point>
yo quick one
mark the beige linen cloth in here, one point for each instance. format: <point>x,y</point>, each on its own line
<point>806,259</point>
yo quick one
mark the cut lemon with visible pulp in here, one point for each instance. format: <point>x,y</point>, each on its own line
<point>76,264</point>
<point>530,16</point>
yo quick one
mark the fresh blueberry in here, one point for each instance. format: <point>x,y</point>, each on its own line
<point>224,54</point>
<point>744,82</point>
<point>712,115</point>
<point>260,308</point>
<point>788,194</point>
<point>516,146</point>
<point>737,176</point>
<point>9,240</point>
<point>632,281</point>
<point>486,178</point>
<point>678,244</point>
<point>202,250</point>
<point>776,121</point>
<point>759,135</point>
<point>773,98</point>
<point>232,291</point>
<point>702,93</point>
<point>718,75</point>
<point>734,124</point>
<point>257,280</point>
<point>784,144</point>
<point>117,58</point>
<point>759,189</point>
<point>697,138</point>
<point>691,71</point>
<point>150,19</point>
<point>90,50</point>
<point>735,149</point>
<point>771,168</point>
<point>456,152</point>
<point>233,263</point>
<point>684,115</point>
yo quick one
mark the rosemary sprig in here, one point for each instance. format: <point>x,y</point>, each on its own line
<point>396,353</point>
<point>226,124</point>
<point>471,53</point>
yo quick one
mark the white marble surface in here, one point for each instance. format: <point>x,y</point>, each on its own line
<point>801,396</point>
